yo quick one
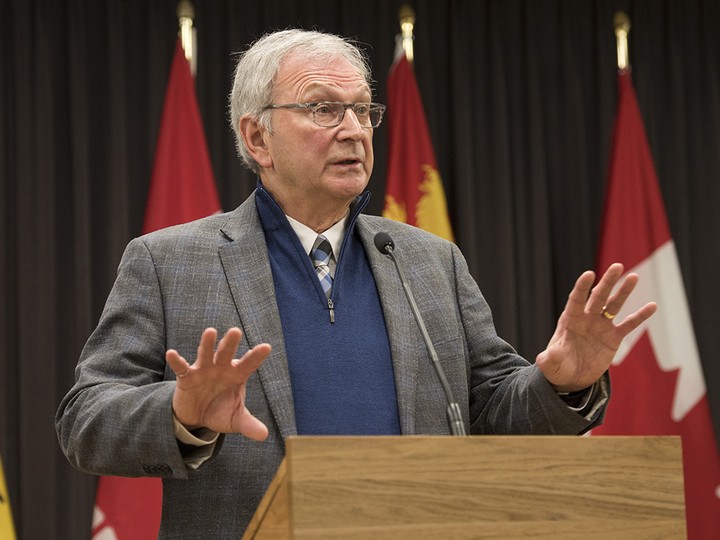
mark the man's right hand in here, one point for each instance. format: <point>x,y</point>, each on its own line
<point>211,392</point>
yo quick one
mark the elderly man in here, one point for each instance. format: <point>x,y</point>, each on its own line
<point>295,268</point>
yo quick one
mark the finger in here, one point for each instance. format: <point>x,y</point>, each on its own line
<point>251,360</point>
<point>601,292</point>
<point>177,363</point>
<point>206,349</point>
<point>228,346</point>
<point>632,321</point>
<point>579,295</point>
<point>251,427</point>
<point>615,303</point>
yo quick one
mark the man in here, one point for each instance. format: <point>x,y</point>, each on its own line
<point>347,356</point>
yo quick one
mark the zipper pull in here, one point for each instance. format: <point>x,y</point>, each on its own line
<point>331,307</point>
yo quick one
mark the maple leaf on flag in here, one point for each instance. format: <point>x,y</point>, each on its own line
<point>658,385</point>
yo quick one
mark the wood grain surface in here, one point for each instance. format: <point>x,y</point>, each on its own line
<point>476,487</point>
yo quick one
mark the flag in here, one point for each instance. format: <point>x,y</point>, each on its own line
<point>7,530</point>
<point>182,188</point>
<point>657,377</point>
<point>414,191</point>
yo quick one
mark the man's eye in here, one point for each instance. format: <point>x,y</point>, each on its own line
<point>362,109</point>
<point>324,109</point>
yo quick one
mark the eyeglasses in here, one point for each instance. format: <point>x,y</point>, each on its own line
<point>331,113</point>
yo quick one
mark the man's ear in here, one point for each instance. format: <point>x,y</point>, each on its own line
<point>254,135</point>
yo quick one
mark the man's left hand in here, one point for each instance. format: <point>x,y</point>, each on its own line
<point>586,337</point>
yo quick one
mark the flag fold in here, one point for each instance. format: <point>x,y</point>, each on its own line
<point>183,185</point>
<point>182,188</point>
<point>414,191</point>
<point>657,377</point>
<point>7,529</point>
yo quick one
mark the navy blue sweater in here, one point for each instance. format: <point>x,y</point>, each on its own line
<point>341,372</point>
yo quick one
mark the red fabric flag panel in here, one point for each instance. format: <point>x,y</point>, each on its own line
<point>414,191</point>
<point>657,378</point>
<point>182,189</point>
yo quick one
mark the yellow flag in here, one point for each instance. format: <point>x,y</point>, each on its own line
<point>7,530</point>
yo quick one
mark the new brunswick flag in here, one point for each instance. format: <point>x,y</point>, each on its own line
<point>7,530</point>
<point>414,192</point>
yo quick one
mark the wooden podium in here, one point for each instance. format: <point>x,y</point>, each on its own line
<point>475,487</point>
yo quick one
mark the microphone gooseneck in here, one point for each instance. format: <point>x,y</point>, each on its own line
<point>385,245</point>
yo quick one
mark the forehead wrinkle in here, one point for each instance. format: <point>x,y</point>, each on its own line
<point>323,90</point>
<point>334,77</point>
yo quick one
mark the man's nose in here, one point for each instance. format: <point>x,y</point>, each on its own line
<point>351,126</point>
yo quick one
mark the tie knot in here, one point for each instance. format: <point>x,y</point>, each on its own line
<point>321,251</point>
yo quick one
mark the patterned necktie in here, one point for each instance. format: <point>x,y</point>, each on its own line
<point>321,256</point>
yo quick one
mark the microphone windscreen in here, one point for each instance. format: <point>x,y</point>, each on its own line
<point>384,243</point>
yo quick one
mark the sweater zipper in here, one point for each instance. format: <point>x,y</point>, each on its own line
<point>362,203</point>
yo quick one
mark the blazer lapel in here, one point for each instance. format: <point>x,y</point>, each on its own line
<point>401,327</point>
<point>247,267</point>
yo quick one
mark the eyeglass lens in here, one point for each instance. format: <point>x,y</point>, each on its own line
<point>330,114</point>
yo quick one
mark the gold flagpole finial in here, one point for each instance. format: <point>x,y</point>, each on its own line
<point>621,22</point>
<point>406,15</point>
<point>186,14</point>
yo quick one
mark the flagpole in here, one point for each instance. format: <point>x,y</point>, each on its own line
<point>406,14</point>
<point>622,29</point>
<point>186,14</point>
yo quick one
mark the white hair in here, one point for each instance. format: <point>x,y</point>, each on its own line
<point>257,67</point>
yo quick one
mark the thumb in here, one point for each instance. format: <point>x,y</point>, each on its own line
<point>550,367</point>
<point>251,427</point>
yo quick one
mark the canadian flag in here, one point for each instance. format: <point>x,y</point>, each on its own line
<point>182,189</point>
<point>657,377</point>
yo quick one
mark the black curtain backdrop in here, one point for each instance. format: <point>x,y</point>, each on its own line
<point>520,99</point>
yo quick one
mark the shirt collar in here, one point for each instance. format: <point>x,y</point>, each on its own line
<point>307,236</point>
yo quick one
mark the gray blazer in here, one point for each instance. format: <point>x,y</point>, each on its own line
<point>172,284</point>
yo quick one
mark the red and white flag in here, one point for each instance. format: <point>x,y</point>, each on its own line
<point>657,378</point>
<point>414,191</point>
<point>183,185</point>
<point>182,189</point>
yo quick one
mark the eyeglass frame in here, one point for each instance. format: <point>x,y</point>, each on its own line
<point>312,106</point>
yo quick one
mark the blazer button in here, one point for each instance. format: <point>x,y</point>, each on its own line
<point>158,469</point>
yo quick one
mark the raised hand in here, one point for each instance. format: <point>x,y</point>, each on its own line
<point>211,392</point>
<point>586,337</point>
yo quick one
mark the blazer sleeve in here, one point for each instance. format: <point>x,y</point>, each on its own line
<point>507,394</point>
<point>117,418</point>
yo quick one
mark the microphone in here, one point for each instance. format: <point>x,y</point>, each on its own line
<point>385,245</point>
